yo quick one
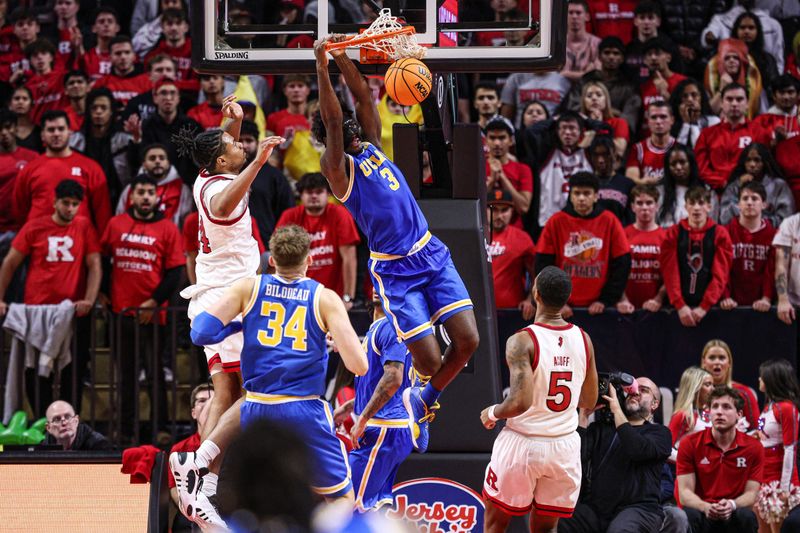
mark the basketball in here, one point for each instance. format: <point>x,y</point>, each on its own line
<point>408,81</point>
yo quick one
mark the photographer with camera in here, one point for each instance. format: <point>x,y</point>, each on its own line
<point>623,454</point>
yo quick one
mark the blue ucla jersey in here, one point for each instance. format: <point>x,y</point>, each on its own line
<point>381,346</point>
<point>382,204</point>
<point>284,348</point>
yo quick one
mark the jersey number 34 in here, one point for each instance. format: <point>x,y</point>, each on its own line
<point>278,327</point>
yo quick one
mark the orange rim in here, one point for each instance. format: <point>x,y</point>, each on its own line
<point>357,40</point>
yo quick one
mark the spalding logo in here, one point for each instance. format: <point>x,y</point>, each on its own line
<point>436,505</point>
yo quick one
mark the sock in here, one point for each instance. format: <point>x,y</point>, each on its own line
<point>209,487</point>
<point>430,394</point>
<point>206,454</point>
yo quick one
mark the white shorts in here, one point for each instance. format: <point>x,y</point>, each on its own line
<point>539,473</point>
<point>224,356</point>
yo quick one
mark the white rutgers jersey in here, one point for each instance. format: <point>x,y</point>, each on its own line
<point>558,374</point>
<point>227,250</point>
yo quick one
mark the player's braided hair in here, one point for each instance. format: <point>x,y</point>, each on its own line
<point>204,148</point>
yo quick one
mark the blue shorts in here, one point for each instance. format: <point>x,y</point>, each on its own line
<point>313,421</point>
<point>375,463</point>
<point>419,290</point>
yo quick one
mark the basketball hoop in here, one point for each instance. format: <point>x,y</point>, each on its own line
<point>386,35</point>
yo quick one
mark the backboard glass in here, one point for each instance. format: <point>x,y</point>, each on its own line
<point>275,36</point>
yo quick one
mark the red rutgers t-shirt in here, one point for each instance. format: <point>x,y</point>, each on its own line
<point>10,166</point>
<point>141,253</point>
<point>182,55</point>
<point>649,159</point>
<point>57,253</point>
<point>753,269</point>
<point>645,277</point>
<point>96,64</point>
<point>207,115</point>
<point>583,248</point>
<point>510,250</point>
<point>282,120</point>
<point>333,228</point>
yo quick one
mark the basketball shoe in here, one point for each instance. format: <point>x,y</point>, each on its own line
<point>203,512</point>
<point>419,417</point>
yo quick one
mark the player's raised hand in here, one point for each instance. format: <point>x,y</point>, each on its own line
<point>266,147</point>
<point>320,53</point>
<point>337,38</point>
<point>231,108</point>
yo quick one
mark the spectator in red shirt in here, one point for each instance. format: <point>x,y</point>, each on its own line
<point>333,236</point>
<point>126,79</point>
<point>696,260</point>
<point>174,42</point>
<point>612,18</point>
<point>662,81</point>
<point>209,113</point>
<point>589,244</point>
<point>66,33</point>
<point>175,200</point>
<point>719,470</point>
<point>717,359</point>
<point>296,90</point>
<point>504,173</point>
<point>33,190</point>
<point>199,401</point>
<point>76,87</point>
<point>753,269</point>
<point>513,256</point>
<point>26,30</point>
<point>646,158</point>
<point>96,62</point>
<point>780,120</point>
<point>645,288</point>
<point>64,264</point>
<point>718,147</point>
<point>45,82</point>
<point>12,160</point>
<point>147,263</point>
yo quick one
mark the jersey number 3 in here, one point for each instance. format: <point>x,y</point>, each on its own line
<point>278,327</point>
<point>559,387</point>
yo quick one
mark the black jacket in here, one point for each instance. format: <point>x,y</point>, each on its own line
<point>85,440</point>
<point>156,130</point>
<point>623,466</point>
<point>270,196</point>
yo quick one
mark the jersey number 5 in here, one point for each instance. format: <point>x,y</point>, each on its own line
<point>559,387</point>
<point>277,327</point>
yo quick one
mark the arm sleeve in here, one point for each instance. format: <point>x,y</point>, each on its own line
<point>669,268</point>
<point>720,270</point>
<point>168,285</point>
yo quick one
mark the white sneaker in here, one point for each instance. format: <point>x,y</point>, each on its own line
<point>187,478</point>
<point>203,513</point>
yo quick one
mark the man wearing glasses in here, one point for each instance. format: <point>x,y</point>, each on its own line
<point>65,428</point>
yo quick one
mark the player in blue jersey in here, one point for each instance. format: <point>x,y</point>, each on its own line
<point>381,436</point>
<point>285,319</point>
<point>411,269</point>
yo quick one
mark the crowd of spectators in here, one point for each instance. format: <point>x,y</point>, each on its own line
<point>658,168</point>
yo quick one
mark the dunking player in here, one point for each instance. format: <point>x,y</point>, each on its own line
<point>381,436</point>
<point>285,318</point>
<point>227,251</point>
<point>412,269</point>
<point>536,459</point>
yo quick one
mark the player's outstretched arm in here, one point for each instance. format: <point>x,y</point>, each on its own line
<point>210,327</point>
<point>520,351</point>
<point>589,390</point>
<point>332,162</point>
<point>366,110</point>
<point>335,318</point>
<point>226,201</point>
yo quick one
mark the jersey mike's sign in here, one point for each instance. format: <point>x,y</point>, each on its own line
<point>436,505</point>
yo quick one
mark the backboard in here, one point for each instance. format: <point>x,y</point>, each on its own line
<point>275,36</point>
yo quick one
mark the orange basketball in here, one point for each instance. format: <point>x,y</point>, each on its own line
<point>408,81</point>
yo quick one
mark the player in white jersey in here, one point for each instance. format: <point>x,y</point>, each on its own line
<point>227,251</point>
<point>536,459</point>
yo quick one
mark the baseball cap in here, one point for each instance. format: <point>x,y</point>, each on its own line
<point>499,122</point>
<point>612,41</point>
<point>499,197</point>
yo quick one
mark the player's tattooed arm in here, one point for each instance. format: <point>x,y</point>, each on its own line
<point>387,386</point>
<point>519,354</point>
<point>786,311</point>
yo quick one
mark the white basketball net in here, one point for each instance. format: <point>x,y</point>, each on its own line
<point>394,46</point>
